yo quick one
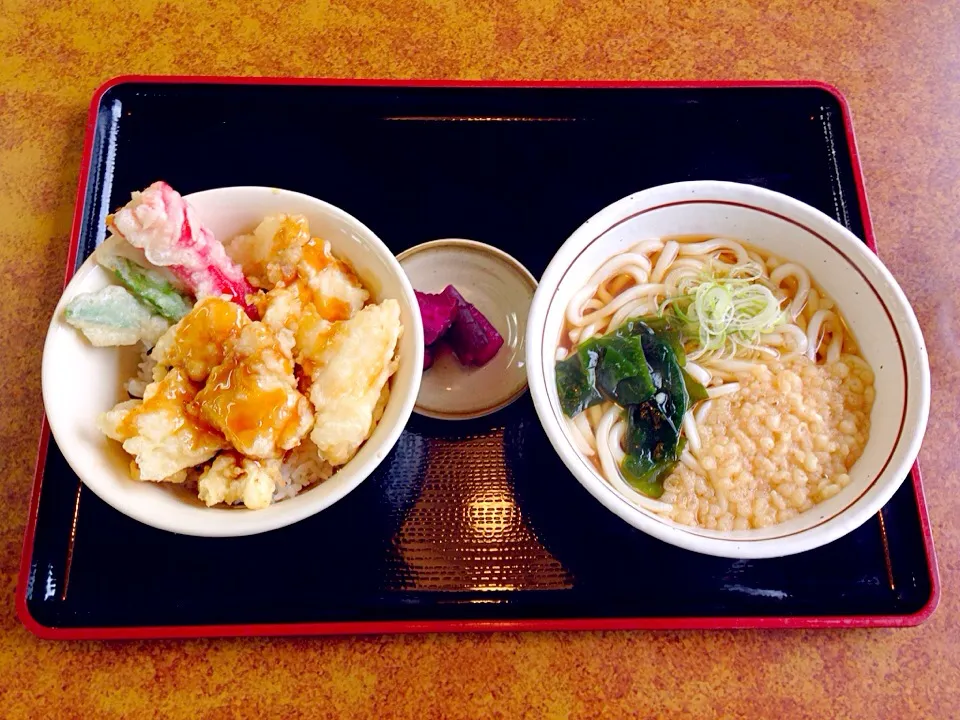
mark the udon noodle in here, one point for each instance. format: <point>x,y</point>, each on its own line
<point>788,401</point>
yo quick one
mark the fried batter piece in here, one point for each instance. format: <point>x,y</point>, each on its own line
<point>252,396</point>
<point>349,364</point>
<point>161,431</point>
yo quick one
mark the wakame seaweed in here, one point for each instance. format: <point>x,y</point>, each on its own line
<point>695,390</point>
<point>665,330</point>
<point>623,374</point>
<point>645,474</point>
<point>653,427</point>
<point>577,379</point>
<point>639,366</point>
<point>662,327</point>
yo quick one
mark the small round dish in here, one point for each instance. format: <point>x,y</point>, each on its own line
<point>502,289</point>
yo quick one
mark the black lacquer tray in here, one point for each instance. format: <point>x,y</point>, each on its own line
<point>466,525</point>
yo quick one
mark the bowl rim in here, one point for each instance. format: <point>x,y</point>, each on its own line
<point>903,322</point>
<point>255,522</point>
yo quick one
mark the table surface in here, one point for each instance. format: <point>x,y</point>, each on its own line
<point>899,66</point>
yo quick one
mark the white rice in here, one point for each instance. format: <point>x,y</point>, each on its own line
<point>137,385</point>
<point>302,467</point>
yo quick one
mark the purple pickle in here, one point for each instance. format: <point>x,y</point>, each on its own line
<point>438,313</point>
<point>473,339</point>
<point>428,357</point>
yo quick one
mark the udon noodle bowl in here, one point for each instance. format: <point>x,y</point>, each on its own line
<point>753,402</point>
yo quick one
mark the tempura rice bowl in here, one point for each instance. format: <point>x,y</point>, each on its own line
<point>874,307</point>
<point>81,381</point>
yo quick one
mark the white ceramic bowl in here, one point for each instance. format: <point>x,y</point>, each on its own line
<point>874,305</point>
<point>81,381</point>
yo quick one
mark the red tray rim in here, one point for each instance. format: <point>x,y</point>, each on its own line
<point>404,626</point>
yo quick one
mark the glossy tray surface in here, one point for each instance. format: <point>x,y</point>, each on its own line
<point>471,524</point>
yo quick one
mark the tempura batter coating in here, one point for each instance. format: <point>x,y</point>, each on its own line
<point>233,479</point>
<point>161,431</point>
<point>252,397</point>
<point>349,368</point>
<point>200,341</point>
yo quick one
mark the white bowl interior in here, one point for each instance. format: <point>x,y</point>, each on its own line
<point>872,303</point>
<point>81,381</point>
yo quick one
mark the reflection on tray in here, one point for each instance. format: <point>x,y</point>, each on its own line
<point>466,531</point>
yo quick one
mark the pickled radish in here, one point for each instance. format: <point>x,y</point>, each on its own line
<point>449,319</point>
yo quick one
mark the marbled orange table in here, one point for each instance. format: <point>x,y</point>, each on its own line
<point>899,65</point>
